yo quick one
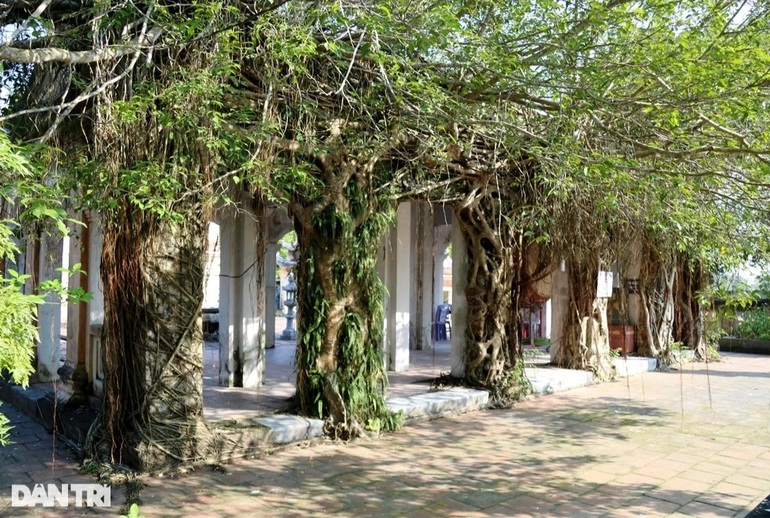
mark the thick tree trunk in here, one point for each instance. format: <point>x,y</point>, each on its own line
<point>492,346</point>
<point>688,328</point>
<point>495,242</point>
<point>153,406</point>
<point>585,341</point>
<point>340,370</point>
<point>656,308</point>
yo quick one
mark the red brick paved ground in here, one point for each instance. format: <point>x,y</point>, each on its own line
<point>692,443</point>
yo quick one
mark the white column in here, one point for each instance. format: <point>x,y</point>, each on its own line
<point>95,286</point>
<point>212,270</point>
<point>94,363</point>
<point>459,302</point>
<point>241,332</point>
<point>270,264</point>
<point>229,296</point>
<point>559,307</point>
<point>422,268</point>
<point>49,314</point>
<point>399,286</point>
<point>252,331</point>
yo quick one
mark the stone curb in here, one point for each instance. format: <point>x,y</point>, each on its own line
<point>438,404</point>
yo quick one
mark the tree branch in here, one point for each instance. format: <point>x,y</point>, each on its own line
<point>73,57</point>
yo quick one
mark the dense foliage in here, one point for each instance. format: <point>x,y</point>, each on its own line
<point>26,202</point>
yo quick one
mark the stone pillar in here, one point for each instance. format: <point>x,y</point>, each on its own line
<point>270,265</point>
<point>459,302</point>
<point>74,256</point>
<point>74,372</point>
<point>399,283</point>
<point>49,314</point>
<point>230,253</point>
<point>95,285</point>
<point>94,361</point>
<point>252,302</point>
<point>559,307</point>
<point>241,300</point>
<point>422,266</point>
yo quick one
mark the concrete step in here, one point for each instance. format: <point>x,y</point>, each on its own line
<point>276,429</point>
<point>439,404</point>
<point>547,380</point>
<point>631,366</point>
<point>256,435</point>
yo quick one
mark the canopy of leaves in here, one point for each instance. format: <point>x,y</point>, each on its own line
<point>646,111</point>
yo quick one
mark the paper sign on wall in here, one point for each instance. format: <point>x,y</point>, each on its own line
<point>604,288</point>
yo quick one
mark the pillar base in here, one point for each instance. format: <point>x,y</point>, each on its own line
<point>74,385</point>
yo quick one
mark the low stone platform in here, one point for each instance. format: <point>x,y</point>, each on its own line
<point>258,435</point>
<point>439,404</point>
<point>631,366</point>
<point>547,379</point>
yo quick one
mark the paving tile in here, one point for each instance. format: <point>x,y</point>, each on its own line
<point>650,505</point>
<point>637,480</point>
<point>605,450</point>
<point>596,477</point>
<point>762,484</point>
<point>422,513</point>
<point>730,502</point>
<point>702,476</point>
<point>576,510</point>
<point>529,504</point>
<point>715,468</point>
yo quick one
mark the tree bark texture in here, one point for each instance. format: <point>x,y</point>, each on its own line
<point>656,290</point>
<point>152,413</point>
<point>688,317</point>
<point>495,248</point>
<point>340,368</point>
<point>585,340</point>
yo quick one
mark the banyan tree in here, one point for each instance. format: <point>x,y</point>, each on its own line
<point>556,133</point>
<point>495,215</point>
